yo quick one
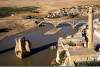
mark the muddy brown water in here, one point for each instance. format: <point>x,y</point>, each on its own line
<point>42,55</point>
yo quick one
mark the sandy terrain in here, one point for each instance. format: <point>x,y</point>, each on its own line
<point>18,26</point>
<point>47,4</point>
<point>14,25</point>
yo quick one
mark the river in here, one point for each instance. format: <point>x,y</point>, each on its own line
<point>42,55</point>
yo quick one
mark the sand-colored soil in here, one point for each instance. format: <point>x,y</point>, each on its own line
<point>47,4</point>
<point>15,25</point>
<point>18,26</point>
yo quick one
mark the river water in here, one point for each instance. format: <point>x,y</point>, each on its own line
<point>42,55</point>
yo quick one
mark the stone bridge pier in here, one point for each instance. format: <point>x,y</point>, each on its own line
<point>22,48</point>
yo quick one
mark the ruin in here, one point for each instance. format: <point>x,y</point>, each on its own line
<point>22,48</point>
<point>75,53</point>
<point>90,28</point>
<point>76,11</point>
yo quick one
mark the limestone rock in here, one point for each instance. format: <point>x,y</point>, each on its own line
<point>22,48</point>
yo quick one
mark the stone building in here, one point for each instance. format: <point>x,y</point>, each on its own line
<point>77,54</point>
<point>97,24</point>
<point>81,54</point>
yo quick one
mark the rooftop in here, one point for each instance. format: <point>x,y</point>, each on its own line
<point>81,51</point>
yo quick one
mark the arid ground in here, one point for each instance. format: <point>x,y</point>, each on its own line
<point>17,26</point>
<point>47,4</point>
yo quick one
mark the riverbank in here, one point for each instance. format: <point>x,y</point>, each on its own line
<point>40,48</point>
<point>13,25</point>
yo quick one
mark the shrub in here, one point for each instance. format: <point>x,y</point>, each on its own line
<point>7,11</point>
<point>62,56</point>
<point>71,43</point>
<point>88,63</point>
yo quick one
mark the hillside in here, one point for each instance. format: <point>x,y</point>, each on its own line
<point>12,27</point>
<point>47,4</point>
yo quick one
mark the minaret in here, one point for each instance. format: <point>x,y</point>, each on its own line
<point>90,28</point>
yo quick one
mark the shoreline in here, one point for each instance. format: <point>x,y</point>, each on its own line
<point>17,34</point>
